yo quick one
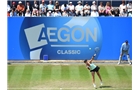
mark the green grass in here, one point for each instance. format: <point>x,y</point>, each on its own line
<point>72,77</point>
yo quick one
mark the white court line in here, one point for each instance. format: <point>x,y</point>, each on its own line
<point>69,45</point>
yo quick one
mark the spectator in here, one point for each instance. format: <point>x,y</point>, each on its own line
<point>116,12</point>
<point>123,14</point>
<point>14,6</point>
<point>122,7</point>
<point>43,14</point>
<point>57,13</point>
<point>57,6</point>
<point>49,14</point>
<point>108,9</point>
<point>94,12</point>
<point>35,13</point>
<point>87,9</point>
<point>20,8</point>
<point>65,14</point>
<point>28,13</point>
<point>64,7</point>
<point>101,9</point>
<point>8,10</point>
<point>129,9</point>
<point>43,8</point>
<point>79,9</point>
<point>13,12</point>
<point>72,13</point>
<point>35,6</point>
<point>50,6</point>
<point>93,6</point>
<point>71,7</point>
<point>28,7</point>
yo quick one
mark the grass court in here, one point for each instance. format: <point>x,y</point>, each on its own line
<point>67,77</point>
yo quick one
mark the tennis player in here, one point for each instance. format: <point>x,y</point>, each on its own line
<point>93,68</point>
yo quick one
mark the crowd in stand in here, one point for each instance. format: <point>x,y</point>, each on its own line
<point>65,10</point>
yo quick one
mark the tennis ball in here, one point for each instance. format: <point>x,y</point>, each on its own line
<point>89,48</point>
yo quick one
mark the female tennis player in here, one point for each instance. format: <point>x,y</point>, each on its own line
<point>93,68</point>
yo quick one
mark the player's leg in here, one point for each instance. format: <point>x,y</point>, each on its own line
<point>93,79</point>
<point>98,73</point>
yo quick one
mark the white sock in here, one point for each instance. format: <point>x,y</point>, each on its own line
<point>94,85</point>
<point>101,83</point>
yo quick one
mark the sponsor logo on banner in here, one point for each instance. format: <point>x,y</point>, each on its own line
<point>60,38</point>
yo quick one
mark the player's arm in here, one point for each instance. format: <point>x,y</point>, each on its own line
<point>92,58</point>
<point>88,68</point>
<point>90,61</point>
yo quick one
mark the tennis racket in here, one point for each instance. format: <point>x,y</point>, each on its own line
<point>96,50</point>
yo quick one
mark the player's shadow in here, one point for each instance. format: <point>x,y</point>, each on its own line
<point>105,86</point>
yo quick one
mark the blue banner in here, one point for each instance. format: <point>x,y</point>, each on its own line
<point>67,38</point>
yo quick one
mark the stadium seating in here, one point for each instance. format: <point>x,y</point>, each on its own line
<point>114,3</point>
